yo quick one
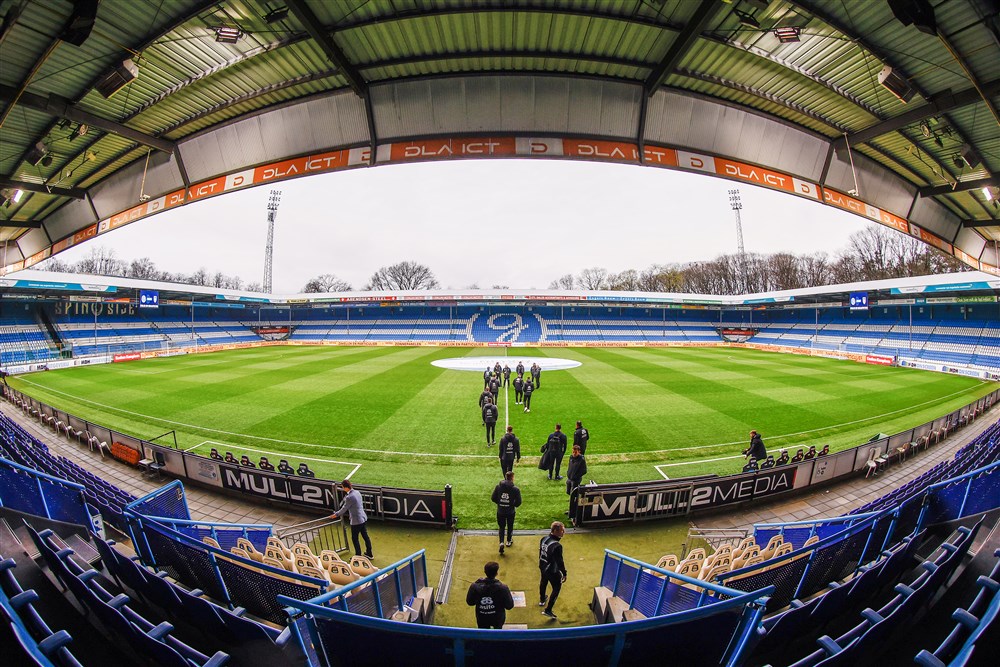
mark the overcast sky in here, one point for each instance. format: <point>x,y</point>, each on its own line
<point>521,223</point>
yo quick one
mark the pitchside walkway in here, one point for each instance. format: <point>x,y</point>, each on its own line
<point>839,499</point>
<point>832,501</point>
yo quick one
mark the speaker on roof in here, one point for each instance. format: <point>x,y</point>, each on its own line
<point>919,13</point>
<point>117,78</point>
<point>970,156</point>
<point>80,23</point>
<point>896,84</point>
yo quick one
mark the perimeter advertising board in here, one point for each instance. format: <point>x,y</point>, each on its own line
<point>429,507</point>
<point>641,501</point>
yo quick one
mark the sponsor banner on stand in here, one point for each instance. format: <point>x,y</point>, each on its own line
<point>127,356</point>
<point>430,507</point>
<point>879,359</point>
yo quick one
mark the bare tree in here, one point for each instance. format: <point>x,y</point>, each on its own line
<point>661,278</point>
<point>626,281</point>
<point>143,269</point>
<point>566,282</point>
<point>56,265</point>
<point>327,283</point>
<point>402,276</point>
<point>593,279</point>
<point>102,261</point>
<point>254,287</point>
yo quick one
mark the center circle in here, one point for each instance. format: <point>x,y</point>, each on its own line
<point>479,364</point>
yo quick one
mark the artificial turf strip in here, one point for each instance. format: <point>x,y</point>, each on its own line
<point>411,424</point>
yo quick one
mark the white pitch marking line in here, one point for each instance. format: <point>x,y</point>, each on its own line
<point>206,442</point>
<point>687,463</point>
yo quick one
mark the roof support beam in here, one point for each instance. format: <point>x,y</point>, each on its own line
<point>73,193</point>
<point>940,104</point>
<point>972,224</point>
<point>960,186</point>
<point>63,108</point>
<point>682,44</point>
<point>322,36</point>
<point>972,77</point>
<point>22,224</point>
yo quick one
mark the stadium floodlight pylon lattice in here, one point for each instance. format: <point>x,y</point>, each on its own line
<point>272,214</point>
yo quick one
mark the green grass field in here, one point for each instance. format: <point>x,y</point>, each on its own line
<point>650,412</point>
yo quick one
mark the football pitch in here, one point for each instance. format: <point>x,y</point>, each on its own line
<point>387,416</point>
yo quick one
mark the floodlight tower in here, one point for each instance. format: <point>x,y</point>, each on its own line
<point>272,213</point>
<point>737,205</point>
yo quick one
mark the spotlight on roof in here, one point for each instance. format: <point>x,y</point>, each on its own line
<point>122,75</point>
<point>225,34</point>
<point>747,20</point>
<point>47,160</point>
<point>896,84</point>
<point>959,162</point>
<point>919,13</point>
<point>81,130</point>
<point>788,34</point>
<point>970,156</point>
<point>276,15</point>
<point>36,154</point>
<point>925,130</point>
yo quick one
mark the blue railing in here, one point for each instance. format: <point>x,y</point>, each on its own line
<point>167,501</point>
<point>717,633</point>
<point>31,492</point>
<point>399,582</point>
<point>225,534</point>
<point>974,492</point>
<point>797,532</point>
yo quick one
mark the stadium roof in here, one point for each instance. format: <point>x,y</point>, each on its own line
<point>209,96</point>
<point>46,285</point>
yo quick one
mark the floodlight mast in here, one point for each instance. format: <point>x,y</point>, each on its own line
<point>272,213</point>
<point>737,205</point>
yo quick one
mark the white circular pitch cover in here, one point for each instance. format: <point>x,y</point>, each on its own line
<point>479,364</point>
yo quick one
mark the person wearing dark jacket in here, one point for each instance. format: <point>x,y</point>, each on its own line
<point>490,415</point>
<point>491,598</point>
<point>551,567</point>
<point>756,450</point>
<point>506,375</point>
<point>507,498</point>
<point>575,469</point>
<point>580,437</point>
<point>527,391</point>
<point>557,448</point>
<point>536,375</point>
<point>510,449</point>
<point>518,390</point>
<point>486,376</point>
<point>519,369</point>
<point>483,397</point>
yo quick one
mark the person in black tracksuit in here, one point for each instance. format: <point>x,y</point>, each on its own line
<point>507,498</point>
<point>575,471</point>
<point>551,567</point>
<point>491,598</point>
<point>495,388</point>
<point>486,376</point>
<point>510,449</point>
<point>557,449</point>
<point>519,370</point>
<point>518,390</point>
<point>483,397</point>
<point>536,375</point>
<point>526,391</point>
<point>580,437</point>
<point>506,375</point>
<point>497,370</point>
<point>490,415</point>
